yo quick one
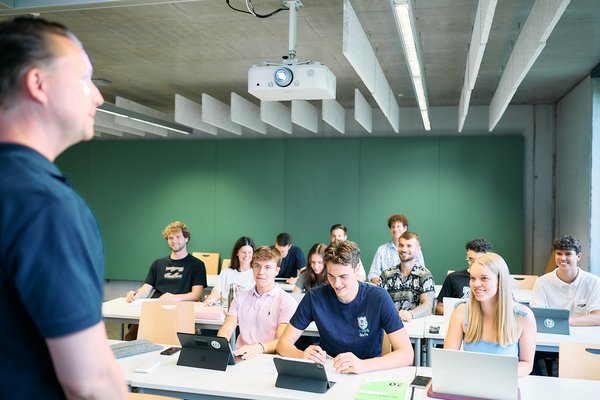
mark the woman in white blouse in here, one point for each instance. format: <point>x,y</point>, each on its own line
<point>239,274</point>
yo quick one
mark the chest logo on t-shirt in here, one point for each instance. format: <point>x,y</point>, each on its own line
<point>173,272</point>
<point>363,326</point>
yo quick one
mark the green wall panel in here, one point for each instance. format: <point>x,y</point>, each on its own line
<point>452,189</point>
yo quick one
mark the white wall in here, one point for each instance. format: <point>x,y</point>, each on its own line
<point>573,165</point>
<point>595,189</point>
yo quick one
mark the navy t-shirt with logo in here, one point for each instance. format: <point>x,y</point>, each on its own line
<point>355,327</point>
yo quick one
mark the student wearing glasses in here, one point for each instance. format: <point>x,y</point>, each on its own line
<point>491,321</point>
<point>456,284</point>
<point>351,317</point>
<point>262,312</point>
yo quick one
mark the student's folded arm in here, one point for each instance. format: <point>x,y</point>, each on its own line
<point>193,295</point>
<point>426,305</point>
<point>591,319</point>
<point>85,365</point>
<point>402,354</point>
<point>229,325</point>
<point>527,343</point>
<point>454,330</point>
<point>286,345</point>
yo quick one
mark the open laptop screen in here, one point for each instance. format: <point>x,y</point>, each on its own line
<point>474,375</point>
<point>551,320</point>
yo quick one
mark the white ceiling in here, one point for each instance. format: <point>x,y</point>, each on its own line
<point>150,52</point>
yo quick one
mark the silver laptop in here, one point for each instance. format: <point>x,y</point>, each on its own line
<point>552,320</point>
<point>477,375</point>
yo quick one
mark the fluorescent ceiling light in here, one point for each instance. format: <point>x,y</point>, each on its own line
<point>405,22</point>
<point>109,108</point>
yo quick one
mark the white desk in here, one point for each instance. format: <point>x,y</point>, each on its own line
<point>255,379</point>
<point>119,311</point>
<point>544,341</point>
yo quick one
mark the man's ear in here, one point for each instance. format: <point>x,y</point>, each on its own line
<point>35,84</point>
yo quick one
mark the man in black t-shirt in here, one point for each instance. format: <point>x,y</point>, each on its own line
<point>177,277</point>
<point>456,283</point>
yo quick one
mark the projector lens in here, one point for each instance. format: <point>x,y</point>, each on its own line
<point>283,76</point>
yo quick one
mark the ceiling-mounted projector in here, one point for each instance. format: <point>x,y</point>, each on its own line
<point>291,80</point>
<point>311,81</point>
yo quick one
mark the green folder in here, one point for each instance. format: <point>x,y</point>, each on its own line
<point>381,389</point>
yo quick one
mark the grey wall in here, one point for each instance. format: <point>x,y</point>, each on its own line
<point>574,164</point>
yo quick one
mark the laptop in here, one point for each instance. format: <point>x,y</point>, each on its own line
<point>204,352</point>
<point>551,320</point>
<point>467,375</point>
<point>299,374</point>
<point>450,303</point>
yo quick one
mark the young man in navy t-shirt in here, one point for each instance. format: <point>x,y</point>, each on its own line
<point>351,317</point>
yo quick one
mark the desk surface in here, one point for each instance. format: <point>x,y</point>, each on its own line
<point>255,379</point>
<point>544,341</point>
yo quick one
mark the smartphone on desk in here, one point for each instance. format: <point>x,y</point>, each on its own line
<point>170,351</point>
<point>420,382</point>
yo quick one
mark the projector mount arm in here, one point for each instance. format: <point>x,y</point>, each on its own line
<point>293,6</point>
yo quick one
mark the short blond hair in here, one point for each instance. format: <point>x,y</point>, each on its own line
<point>175,227</point>
<point>267,253</point>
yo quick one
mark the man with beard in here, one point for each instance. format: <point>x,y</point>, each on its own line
<point>177,277</point>
<point>410,285</point>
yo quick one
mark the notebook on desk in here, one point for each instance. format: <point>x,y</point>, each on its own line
<point>551,320</point>
<point>467,375</point>
<point>204,352</point>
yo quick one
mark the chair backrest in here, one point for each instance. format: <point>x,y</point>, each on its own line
<point>449,306</point>
<point>210,260</point>
<point>226,263</point>
<point>386,345</point>
<point>523,281</point>
<point>579,360</point>
<point>161,320</point>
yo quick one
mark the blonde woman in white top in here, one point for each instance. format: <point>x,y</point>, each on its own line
<point>238,275</point>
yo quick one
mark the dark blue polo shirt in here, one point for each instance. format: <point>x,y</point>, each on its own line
<point>51,270</point>
<point>292,263</point>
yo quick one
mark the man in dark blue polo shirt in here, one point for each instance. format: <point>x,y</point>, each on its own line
<point>53,342</point>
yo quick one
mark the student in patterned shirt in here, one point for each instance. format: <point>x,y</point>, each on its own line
<point>409,284</point>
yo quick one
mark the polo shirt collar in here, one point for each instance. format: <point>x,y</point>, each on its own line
<point>270,293</point>
<point>33,157</point>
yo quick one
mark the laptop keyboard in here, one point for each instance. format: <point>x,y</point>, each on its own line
<point>134,347</point>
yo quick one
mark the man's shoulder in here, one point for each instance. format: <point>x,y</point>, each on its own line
<point>590,278</point>
<point>421,271</point>
<point>390,272</point>
<point>385,247</point>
